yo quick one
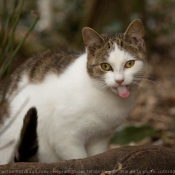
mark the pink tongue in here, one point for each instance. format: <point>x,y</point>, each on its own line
<point>123,91</point>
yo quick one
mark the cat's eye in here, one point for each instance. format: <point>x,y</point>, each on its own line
<point>106,66</point>
<point>129,64</point>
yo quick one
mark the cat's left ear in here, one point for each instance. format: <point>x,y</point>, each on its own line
<point>92,39</point>
<point>135,33</point>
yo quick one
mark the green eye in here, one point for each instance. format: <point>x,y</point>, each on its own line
<point>106,66</point>
<point>129,64</point>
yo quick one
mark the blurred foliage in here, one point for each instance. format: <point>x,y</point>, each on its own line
<point>69,17</point>
<point>10,16</point>
<point>126,134</point>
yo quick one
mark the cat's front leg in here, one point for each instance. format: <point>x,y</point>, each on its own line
<point>70,150</point>
<point>98,145</point>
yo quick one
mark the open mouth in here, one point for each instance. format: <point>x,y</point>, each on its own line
<point>122,91</point>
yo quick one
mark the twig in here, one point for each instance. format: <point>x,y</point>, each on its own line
<point>10,41</point>
<point>19,46</point>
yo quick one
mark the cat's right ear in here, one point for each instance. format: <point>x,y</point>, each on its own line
<point>135,33</point>
<point>92,39</point>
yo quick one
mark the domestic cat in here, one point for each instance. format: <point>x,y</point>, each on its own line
<point>80,98</point>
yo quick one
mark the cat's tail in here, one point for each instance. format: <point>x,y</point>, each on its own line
<point>27,148</point>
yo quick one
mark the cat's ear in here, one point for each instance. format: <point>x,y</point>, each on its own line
<point>92,39</point>
<point>135,33</point>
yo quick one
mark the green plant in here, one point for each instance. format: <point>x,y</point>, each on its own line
<point>9,20</point>
<point>126,134</point>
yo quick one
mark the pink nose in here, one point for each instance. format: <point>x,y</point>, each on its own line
<point>119,81</point>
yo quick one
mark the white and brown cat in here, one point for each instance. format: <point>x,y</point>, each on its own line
<point>80,98</point>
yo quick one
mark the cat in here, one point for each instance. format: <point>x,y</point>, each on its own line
<point>80,98</point>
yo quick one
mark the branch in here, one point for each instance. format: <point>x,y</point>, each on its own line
<point>121,161</point>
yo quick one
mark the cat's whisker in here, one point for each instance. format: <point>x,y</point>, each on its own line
<point>101,86</point>
<point>146,79</point>
<point>135,84</point>
<point>104,88</point>
<point>145,76</point>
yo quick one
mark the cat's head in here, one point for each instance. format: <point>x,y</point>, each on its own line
<point>118,61</point>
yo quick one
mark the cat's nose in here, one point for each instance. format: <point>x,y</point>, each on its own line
<point>119,81</point>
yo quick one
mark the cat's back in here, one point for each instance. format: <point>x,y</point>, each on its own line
<point>40,65</point>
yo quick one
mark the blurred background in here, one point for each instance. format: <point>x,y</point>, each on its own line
<point>58,24</point>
